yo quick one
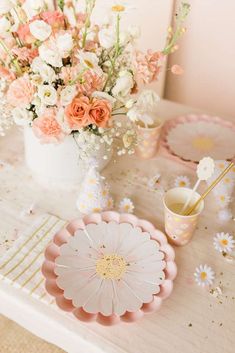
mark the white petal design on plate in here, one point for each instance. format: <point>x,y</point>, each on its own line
<point>201,138</point>
<point>102,301</point>
<point>110,268</point>
<point>145,292</point>
<point>126,299</point>
<point>88,291</point>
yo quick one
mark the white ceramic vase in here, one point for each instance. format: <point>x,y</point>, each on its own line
<point>59,166</point>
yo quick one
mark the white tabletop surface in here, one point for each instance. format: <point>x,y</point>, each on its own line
<point>190,321</point>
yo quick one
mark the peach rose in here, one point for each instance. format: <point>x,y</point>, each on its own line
<point>77,112</point>
<point>100,112</point>
<point>47,128</point>
<point>20,92</point>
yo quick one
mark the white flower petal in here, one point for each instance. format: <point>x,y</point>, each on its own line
<point>89,289</point>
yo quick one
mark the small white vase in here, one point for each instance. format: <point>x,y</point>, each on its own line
<point>59,166</point>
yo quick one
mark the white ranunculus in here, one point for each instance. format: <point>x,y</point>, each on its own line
<point>22,116</point>
<point>67,95</point>
<point>148,100</point>
<point>5,6</point>
<point>64,43</point>
<point>40,30</point>
<point>5,27</point>
<point>104,95</point>
<point>46,72</point>
<point>49,52</point>
<point>47,94</point>
<point>107,38</point>
<point>123,85</point>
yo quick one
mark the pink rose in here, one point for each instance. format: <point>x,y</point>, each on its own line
<point>47,128</point>
<point>54,18</point>
<point>100,112</point>
<point>20,92</point>
<point>77,113</point>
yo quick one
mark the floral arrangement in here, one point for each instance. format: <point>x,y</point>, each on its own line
<point>64,74</point>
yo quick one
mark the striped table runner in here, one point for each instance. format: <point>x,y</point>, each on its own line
<point>21,265</point>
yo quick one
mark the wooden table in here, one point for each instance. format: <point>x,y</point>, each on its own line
<point>190,321</point>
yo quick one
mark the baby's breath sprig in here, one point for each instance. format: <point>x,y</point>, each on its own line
<point>90,4</point>
<point>178,31</point>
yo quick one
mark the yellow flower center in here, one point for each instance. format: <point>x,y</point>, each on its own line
<point>111,266</point>
<point>203,275</point>
<point>89,64</point>
<point>203,143</point>
<point>227,180</point>
<point>182,183</point>
<point>224,242</point>
<point>118,8</point>
<point>222,198</point>
<point>97,209</point>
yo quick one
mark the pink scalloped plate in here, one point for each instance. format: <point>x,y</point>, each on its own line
<point>169,150</point>
<point>61,239</point>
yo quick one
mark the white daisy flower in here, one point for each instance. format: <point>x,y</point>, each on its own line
<point>222,198</point>
<point>204,275</point>
<point>224,242</point>
<point>121,6</point>
<point>225,215</point>
<point>182,181</point>
<point>126,206</point>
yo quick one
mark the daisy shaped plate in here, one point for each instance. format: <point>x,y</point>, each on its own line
<point>109,268</point>
<point>191,137</point>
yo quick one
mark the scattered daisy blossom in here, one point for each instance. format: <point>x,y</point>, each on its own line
<point>126,206</point>
<point>224,242</point>
<point>182,181</point>
<point>204,275</point>
<point>225,215</point>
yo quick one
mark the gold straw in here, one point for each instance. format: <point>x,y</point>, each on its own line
<point>211,187</point>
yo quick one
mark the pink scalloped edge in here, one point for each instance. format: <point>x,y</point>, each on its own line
<point>53,251</point>
<point>172,123</point>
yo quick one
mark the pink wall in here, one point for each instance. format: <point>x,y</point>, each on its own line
<point>207,54</point>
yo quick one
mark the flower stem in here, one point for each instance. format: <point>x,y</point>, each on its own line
<point>13,60</point>
<point>90,4</point>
